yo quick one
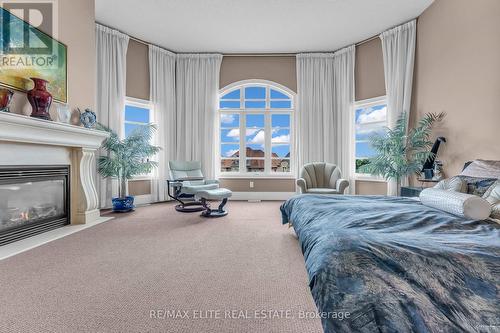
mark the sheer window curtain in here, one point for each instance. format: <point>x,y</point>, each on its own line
<point>197,84</point>
<point>398,47</point>
<point>325,124</point>
<point>162,96</point>
<point>111,47</point>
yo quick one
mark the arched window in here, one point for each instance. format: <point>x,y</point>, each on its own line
<point>255,124</point>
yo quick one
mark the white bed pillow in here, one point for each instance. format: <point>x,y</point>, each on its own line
<point>492,195</point>
<point>461,204</point>
<point>456,184</point>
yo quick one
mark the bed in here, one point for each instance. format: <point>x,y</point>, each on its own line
<point>391,264</point>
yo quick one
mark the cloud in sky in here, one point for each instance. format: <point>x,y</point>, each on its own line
<point>231,152</point>
<point>371,115</point>
<point>281,138</point>
<point>227,118</point>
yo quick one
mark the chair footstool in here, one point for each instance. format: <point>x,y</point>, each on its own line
<point>217,194</point>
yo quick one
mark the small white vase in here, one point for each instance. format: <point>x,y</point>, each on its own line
<point>63,113</point>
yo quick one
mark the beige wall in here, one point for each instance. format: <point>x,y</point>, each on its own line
<point>77,31</point>
<point>367,187</point>
<point>278,69</point>
<point>457,70</point>
<point>137,70</point>
<point>260,185</point>
<point>369,70</point>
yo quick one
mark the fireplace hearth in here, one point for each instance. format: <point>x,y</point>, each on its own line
<point>33,199</point>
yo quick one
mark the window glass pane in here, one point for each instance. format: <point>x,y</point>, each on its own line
<point>255,93</point>
<point>255,120</point>
<point>229,104</point>
<point>230,135</point>
<point>229,120</point>
<point>280,151</point>
<point>129,128</point>
<point>364,150</point>
<point>230,150</point>
<point>255,104</point>
<point>137,114</point>
<point>280,165</point>
<point>275,94</point>
<point>281,104</point>
<point>371,114</point>
<point>280,136</point>
<point>254,150</point>
<point>254,165</point>
<point>280,120</point>
<point>255,136</point>
<point>229,165</point>
<point>235,94</point>
<point>359,163</point>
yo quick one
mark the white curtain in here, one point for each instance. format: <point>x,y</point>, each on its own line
<point>197,84</point>
<point>398,47</point>
<point>325,125</point>
<point>111,47</point>
<point>162,96</point>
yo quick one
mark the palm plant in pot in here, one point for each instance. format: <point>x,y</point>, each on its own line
<point>401,152</point>
<point>125,159</point>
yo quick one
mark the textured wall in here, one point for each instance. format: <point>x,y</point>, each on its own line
<point>458,71</point>
<point>137,70</point>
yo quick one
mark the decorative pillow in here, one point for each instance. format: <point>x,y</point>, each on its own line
<point>477,186</point>
<point>456,184</point>
<point>461,204</point>
<point>493,197</point>
<point>482,169</point>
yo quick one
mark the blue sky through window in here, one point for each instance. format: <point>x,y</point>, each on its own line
<point>369,121</point>
<point>136,114</point>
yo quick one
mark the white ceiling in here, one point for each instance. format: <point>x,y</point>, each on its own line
<point>255,26</point>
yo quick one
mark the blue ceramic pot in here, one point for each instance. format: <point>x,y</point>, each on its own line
<point>88,118</point>
<point>123,205</point>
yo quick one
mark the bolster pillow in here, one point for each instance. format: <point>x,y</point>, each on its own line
<point>461,204</point>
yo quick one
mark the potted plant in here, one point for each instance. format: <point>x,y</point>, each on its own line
<point>402,152</point>
<point>125,159</point>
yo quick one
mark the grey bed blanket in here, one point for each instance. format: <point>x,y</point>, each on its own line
<point>389,264</point>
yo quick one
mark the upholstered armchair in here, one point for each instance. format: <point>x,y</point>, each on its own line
<point>187,180</point>
<point>321,178</point>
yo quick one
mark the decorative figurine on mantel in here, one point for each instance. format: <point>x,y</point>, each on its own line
<point>5,98</point>
<point>88,118</point>
<point>40,99</point>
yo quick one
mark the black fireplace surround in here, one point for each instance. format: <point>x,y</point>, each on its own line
<point>33,199</point>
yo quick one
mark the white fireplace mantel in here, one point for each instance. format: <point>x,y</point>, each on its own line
<point>25,140</point>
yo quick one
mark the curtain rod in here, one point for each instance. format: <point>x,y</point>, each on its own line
<point>283,54</point>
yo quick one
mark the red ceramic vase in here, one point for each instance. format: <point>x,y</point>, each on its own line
<point>5,97</point>
<point>40,99</point>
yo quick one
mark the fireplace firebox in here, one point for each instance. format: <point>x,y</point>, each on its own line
<point>33,199</point>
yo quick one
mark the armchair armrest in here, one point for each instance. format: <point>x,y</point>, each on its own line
<point>212,181</point>
<point>301,183</point>
<point>341,185</point>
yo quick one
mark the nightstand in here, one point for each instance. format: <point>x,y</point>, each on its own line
<point>410,191</point>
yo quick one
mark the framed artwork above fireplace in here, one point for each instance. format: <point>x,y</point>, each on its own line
<point>38,55</point>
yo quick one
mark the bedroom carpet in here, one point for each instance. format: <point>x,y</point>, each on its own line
<point>157,270</point>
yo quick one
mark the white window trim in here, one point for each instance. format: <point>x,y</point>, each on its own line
<point>363,104</point>
<point>267,111</point>
<point>141,103</point>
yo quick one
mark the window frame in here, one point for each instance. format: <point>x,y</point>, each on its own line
<point>267,111</point>
<point>145,104</point>
<point>370,102</point>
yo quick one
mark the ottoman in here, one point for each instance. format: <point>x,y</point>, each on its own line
<point>216,194</point>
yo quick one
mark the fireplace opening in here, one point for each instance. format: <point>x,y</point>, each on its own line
<point>33,199</point>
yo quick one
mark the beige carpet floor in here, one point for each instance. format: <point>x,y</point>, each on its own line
<point>156,270</point>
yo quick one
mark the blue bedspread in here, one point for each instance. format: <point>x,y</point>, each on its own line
<point>389,264</point>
